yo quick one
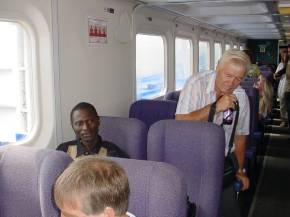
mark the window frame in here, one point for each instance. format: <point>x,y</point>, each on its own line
<point>184,37</point>
<point>209,53</point>
<point>221,53</point>
<point>30,68</point>
<point>150,32</point>
<point>227,43</point>
<point>242,46</point>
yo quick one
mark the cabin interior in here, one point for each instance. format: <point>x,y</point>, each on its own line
<point>61,60</point>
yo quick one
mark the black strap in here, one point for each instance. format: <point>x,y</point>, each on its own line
<point>234,128</point>
<point>211,116</point>
<point>191,208</point>
<point>211,112</point>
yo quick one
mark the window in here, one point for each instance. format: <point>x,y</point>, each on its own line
<point>235,46</point>
<point>217,52</point>
<point>204,56</point>
<point>228,46</point>
<point>241,47</point>
<point>183,61</point>
<point>15,83</point>
<point>150,62</point>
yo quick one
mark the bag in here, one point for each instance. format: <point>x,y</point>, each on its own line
<point>191,209</point>
<point>230,164</point>
<point>230,168</point>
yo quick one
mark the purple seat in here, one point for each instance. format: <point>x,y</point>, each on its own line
<point>157,189</point>
<point>247,83</point>
<point>151,111</point>
<point>129,134</point>
<point>197,149</point>
<point>267,72</point>
<point>27,176</point>
<point>255,142</point>
<point>173,95</point>
<point>253,96</point>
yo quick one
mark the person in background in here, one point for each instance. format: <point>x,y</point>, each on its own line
<point>254,70</point>
<point>280,75</point>
<point>218,91</point>
<point>287,88</point>
<point>265,89</point>
<point>92,187</point>
<point>85,122</point>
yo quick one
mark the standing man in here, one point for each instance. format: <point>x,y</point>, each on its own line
<point>85,122</point>
<point>220,88</point>
<point>287,88</point>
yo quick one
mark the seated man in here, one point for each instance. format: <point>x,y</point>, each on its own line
<point>92,187</point>
<point>85,122</point>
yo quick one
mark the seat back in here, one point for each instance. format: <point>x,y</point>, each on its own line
<point>151,111</point>
<point>267,72</point>
<point>253,95</point>
<point>197,149</point>
<point>247,83</point>
<point>173,95</point>
<point>27,176</point>
<point>157,189</point>
<point>129,134</point>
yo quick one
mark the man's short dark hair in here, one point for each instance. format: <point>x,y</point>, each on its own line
<point>83,106</point>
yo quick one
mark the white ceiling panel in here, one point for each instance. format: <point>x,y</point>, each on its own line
<point>260,31</point>
<point>247,18</point>
<point>238,19</point>
<point>249,26</point>
<point>221,10</point>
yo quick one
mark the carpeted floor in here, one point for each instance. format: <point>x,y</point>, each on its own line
<point>272,196</point>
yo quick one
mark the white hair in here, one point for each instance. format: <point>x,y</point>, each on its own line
<point>236,57</point>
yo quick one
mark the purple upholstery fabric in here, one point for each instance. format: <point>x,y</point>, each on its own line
<point>267,72</point>
<point>129,134</point>
<point>157,189</point>
<point>197,149</point>
<point>27,176</point>
<point>173,95</point>
<point>253,96</point>
<point>247,83</point>
<point>151,111</point>
<point>254,145</point>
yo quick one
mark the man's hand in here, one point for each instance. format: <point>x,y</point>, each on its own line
<point>225,102</point>
<point>242,177</point>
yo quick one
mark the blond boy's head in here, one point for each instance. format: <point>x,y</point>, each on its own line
<point>92,187</point>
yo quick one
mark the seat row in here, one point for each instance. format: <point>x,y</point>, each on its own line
<point>195,148</point>
<point>182,160</point>
<point>27,176</point>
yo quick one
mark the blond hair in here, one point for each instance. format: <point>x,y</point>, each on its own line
<point>237,57</point>
<point>266,97</point>
<point>92,184</point>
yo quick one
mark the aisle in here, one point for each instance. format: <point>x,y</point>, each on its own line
<point>272,198</point>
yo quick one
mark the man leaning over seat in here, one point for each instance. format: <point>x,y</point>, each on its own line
<point>221,86</point>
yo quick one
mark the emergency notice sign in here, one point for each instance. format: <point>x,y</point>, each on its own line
<point>97,30</point>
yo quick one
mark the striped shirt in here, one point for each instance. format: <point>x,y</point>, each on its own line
<point>199,92</point>
<point>130,214</point>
